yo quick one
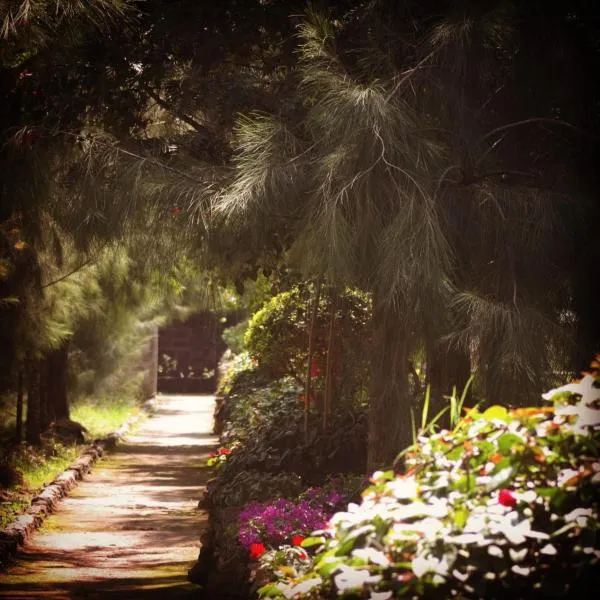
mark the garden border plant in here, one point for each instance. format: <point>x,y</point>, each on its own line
<point>504,505</point>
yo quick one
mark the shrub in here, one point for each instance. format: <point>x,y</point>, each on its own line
<point>277,338</point>
<point>234,336</point>
<point>504,505</point>
<point>282,521</point>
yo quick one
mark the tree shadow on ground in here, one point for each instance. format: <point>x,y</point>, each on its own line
<point>172,586</point>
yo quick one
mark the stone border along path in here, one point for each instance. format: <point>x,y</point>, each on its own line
<point>19,532</point>
<point>131,528</point>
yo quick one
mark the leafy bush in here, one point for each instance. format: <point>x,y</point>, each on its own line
<point>506,504</point>
<point>277,338</point>
<point>253,486</point>
<point>234,336</point>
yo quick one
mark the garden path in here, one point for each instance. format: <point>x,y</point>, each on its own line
<point>131,529</point>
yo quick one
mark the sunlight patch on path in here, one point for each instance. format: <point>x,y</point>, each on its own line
<point>132,528</point>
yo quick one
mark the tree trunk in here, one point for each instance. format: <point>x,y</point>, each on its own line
<point>389,411</point>
<point>19,419</point>
<point>33,425</point>
<point>57,365</point>
<point>44,381</point>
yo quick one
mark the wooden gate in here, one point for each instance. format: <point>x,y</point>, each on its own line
<point>188,354</point>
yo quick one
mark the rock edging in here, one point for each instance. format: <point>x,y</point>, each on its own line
<point>18,532</point>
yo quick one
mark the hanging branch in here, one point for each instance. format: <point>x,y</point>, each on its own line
<point>330,359</point>
<point>311,331</point>
<point>169,107</point>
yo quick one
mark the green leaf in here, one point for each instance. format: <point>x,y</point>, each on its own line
<point>496,412</point>
<point>349,541</point>
<point>466,483</point>
<point>507,441</point>
<point>460,516</point>
<point>326,568</point>
<point>311,541</point>
<point>270,591</point>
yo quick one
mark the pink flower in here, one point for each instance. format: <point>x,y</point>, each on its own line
<point>507,498</point>
<point>257,550</point>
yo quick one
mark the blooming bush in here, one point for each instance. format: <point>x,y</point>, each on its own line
<point>284,521</point>
<point>275,523</point>
<point>504,505</point>
<point>218,458</point>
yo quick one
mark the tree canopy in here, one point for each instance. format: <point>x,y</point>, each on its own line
<point>438,156</point>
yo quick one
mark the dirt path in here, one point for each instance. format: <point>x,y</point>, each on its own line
<point>131,528</point>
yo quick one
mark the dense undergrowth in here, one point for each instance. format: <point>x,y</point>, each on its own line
<point>505,504</point>
<point>282,469</point>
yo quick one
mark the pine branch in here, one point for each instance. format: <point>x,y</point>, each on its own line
<point>168,106</point>
<point>530,121</point>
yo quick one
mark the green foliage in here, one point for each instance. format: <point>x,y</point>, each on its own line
<point>234,336</point>
<point>255,486</point>
<point>30,469</point>
<point>506,503</point>
<point>277,337</point>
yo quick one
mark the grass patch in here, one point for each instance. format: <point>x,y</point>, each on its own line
<point>24,470</point>
<point>102,416</point>
<point>33,468</point>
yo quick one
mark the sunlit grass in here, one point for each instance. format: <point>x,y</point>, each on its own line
<point>36,467</point>
<point>102,416</point>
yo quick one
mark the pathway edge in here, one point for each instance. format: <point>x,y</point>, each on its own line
<point>18,532</point>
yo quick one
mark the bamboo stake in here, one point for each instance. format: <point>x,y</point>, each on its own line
<point>308,386</point>
<point>330,360</point>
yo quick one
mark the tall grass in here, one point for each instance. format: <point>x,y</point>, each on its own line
<point>102,416</point>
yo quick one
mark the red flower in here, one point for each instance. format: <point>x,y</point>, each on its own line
<point>507,498</point>
<point>212,455</point>
<point>257,550</point>
<point>302,555</point>
<point>224,451</point>
<point>297,540</point>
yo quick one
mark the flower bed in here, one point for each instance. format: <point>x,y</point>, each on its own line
<point>506,505</point>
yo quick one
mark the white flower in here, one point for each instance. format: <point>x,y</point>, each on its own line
<point>422,564</point>
<point>372,555</point>
<point>548,549</point>
<point>580,516</point>
<point>430,527</point>
<point>585,388</point>
<point>587,416</point>
<point>403,488</point>
<point>380,596</point>
<point>349,578</point>
<point>303,587</point>
<point>565,475</point>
